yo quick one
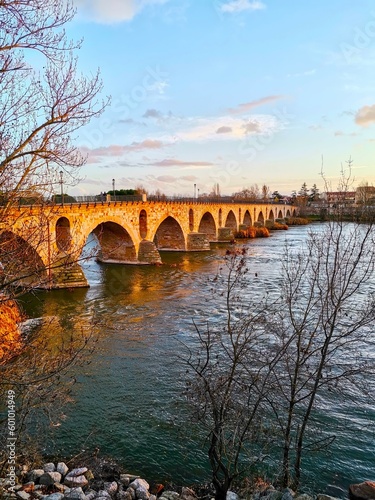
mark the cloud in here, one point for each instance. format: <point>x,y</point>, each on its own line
<point>340,133</point>
<point>152,113</point>
<point>224,130</point>
<point>113,11</point>
<point>252,126</point>
<point>235,6</point>
<point>166,178</point>
<point>173,162</point>
<point>365,116</point>
<point>243,108</point>
<point>114,150</point>
<point>304,73</point>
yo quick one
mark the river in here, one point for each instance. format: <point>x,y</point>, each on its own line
<point>128,399</point>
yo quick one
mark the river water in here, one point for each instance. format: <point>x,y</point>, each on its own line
<point>128,400</point>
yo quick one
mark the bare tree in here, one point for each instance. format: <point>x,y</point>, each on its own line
<point>227,380</point>
<point>252,193</point>
<point>314,341</point>
<point>44,100</point>
<point>321,325</point>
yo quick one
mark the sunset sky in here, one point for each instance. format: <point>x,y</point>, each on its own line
<point>234,92</point>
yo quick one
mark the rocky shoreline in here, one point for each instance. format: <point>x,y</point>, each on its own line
<point>55,481</point>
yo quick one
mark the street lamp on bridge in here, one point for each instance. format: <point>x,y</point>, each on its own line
<point>113,189</point>
<point>195,191</point>
<point>62,187</point>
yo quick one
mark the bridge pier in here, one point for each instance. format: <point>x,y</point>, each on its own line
<point>65,273</point>
<point>148,253</point>
<point>197,242</point>
<point>225,234</point>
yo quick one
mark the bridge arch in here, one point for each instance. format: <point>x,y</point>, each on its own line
<point>288,213</point>
<point>207,226</point>
<point>261,217</point>
<point>116,243</point>
<point>280,215</point>
<point>294,213</point>
<point>20,259</point>
<point>63,234</point>
<point>231,221</point>
<point>169,235</point>
<point>271,215</point>
<point>247,219</point>
<point>143,224</point>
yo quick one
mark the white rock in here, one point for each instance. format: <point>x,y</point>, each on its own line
<point>62,468</point>
<point>78,472</point>
<point>75,481</point>
<point>103,494</point>
<point>231,495</point>
<point>111,488</point>
<point>50,467</point>
<point>137,483</point>
<point>23,495</point>
<point>170,495</point>
<point>76,493</point>
<point>54,496</point>
<point>56,476</point>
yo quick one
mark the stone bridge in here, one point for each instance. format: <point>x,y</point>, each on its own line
<point>46,243</point>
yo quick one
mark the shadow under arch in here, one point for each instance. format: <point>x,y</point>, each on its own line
<point>21,263</point>
<point>207,226</point>
<point>116,244</point>
<point>247,219</point>
<point>169,235</point>
<point>231,221</point>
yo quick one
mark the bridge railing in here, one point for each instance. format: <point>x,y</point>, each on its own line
<point>103,199</point>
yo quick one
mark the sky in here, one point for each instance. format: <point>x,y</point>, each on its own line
<point>234,92</point>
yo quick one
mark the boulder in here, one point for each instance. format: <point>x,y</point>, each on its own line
<point>35,474</point>
<point>130,494</point>
<point>90,494</point>
<point>137,483</point>
<point>62,468</point>
<point>89,475</point>
<point>231,495</point>
<point>54,496</point>
<point>46,479</point>
<point>362,491</point>
<point>303,496</point>
<point>111,488</point>
<point>56,476</point>
<point>103,494</point>
<point>287,494</point>
<point>170,495</point>
<point>50,467</point>
<point>76,481</point>
<point>23,495</point>
<point>188,494</point>
<point>321,496</point>
<point>78,472</point>
<point>75,493</point>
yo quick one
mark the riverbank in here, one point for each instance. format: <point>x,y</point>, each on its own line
<point>102,479</point>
